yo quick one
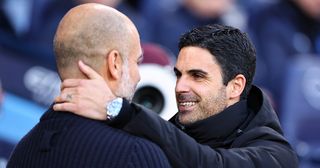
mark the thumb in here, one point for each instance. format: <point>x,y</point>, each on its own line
<point>88,71</point>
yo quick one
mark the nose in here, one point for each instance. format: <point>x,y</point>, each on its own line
<point>182,85</point>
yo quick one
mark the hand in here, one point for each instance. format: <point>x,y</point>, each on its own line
<point>85,97</point>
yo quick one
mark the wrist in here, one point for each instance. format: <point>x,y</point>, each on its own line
<point>126,114</point>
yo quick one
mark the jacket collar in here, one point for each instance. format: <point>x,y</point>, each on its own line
<point>214,130</point>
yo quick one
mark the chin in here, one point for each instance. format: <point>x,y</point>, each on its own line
<point>184,118</point>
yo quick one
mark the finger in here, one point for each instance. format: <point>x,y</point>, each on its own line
<point>63,99</point>
<point>72,91</point>
<point>67,83</point>
<point>58,99</point>
<point>88,71</point>
<point>65,107</point>
<point>67,96</point>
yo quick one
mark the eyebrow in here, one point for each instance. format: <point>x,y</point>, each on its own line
<point>192,71</point>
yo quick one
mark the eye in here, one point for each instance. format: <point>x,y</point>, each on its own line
<point>177,73</point>
<point>139,62</point>
<point>140,59</point>
<point>198,76</point>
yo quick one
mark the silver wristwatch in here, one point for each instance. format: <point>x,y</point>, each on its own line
<point>113,108</point>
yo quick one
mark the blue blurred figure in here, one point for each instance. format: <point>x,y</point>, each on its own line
<point>287,38</point>
<point>281,31</point>
<point>27,27</point>
<point>169,19</point>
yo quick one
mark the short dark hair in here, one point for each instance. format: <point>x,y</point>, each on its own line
<point>231,48</point>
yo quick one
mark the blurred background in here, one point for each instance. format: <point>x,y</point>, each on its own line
<point>286,34</point>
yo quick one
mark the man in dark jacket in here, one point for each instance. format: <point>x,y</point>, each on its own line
<point>223,120</point>
<point>95,34</point>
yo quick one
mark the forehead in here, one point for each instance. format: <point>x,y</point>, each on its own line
<point>195,58</point>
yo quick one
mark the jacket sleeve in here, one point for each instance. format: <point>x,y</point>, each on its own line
<point>183,151</point>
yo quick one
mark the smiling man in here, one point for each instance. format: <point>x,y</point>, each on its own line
<point>200,92</point>
<point>223,120</point>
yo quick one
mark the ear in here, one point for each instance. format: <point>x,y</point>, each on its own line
<point>236,86</point>
<point>114,62</point>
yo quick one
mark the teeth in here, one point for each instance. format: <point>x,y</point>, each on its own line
<point>187,103</point>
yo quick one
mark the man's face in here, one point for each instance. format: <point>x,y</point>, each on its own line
<point>130,78</point>
<point>200,92</point>
<point>130,73</point>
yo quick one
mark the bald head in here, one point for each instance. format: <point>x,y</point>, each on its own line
<point>89,32</point>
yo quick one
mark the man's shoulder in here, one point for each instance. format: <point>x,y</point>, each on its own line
<point>138,151</point>
<point>145,153</point>
<point>74,125</point>
<point>67,135</point>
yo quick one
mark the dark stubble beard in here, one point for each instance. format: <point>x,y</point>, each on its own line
<point>207,108</point>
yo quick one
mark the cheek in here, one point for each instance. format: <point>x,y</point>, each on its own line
<point>206,91</point>
<point>202,92</point>
<point>135,73</point>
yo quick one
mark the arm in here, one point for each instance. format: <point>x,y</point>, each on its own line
<point>265,150</point>
<point>181,149</point>
<point>175,143</point>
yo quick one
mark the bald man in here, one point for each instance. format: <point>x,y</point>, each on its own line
<point>108,41</point>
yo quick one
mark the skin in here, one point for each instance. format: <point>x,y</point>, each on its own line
<point>200,92</point>
<point>109,44</point>
<point>106,40</point>
<point>130,75</point>
<point>199,80</point>
<point>111,3</point>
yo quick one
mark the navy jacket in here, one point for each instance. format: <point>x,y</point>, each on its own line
<point>246,134</point>
<point>63,139</point>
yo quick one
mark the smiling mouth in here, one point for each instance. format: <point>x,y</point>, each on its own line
<point>187,104</point>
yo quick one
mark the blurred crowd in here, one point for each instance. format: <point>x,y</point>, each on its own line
<point>283,31</point>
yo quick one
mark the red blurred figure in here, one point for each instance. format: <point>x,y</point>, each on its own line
<point>156,54</point>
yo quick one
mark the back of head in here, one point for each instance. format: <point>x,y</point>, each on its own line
<point>89,32</point>
<point>231,48</point>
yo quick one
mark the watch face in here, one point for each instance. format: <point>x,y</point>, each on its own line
<point>114,108</point>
